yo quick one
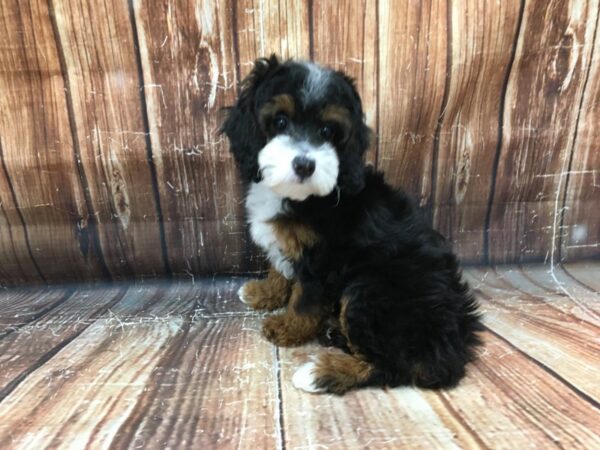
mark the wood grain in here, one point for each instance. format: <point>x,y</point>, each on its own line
<point>580,231</point>
<point>43,202</point>
<point>558,331</point>
<point>151,370</point>
<point>215,389</point>
<point>508,401</point>
<point>481,49</point>
<point>187,60</point>
<point>180,365</point>
<point>79,387</point>
<point>262,28</point>
<point>21,306</point>
<point>97,43</point>
<point>585,273</point>
<point>18,265</point>
<point>413,49</point>
<point>540,119</point>
<point>32,344</point>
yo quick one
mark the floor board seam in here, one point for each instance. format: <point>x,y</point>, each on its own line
<point>578,281</point>
<point>462,420</point>
<point>10,387</point>
<point>586,397</point>
<point>279,421</point>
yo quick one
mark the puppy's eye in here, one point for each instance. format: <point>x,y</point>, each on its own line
<point>280,123</point>
<point>326,132</point>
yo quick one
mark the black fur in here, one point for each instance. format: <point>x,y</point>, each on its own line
<point>409,312</point>
<point>408,305</point>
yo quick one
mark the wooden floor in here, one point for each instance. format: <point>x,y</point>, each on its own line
<point>183,365</point>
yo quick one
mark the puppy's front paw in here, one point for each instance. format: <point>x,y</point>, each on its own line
<point>305,378</point>
<point>280,332</point>
<point>259,295</point>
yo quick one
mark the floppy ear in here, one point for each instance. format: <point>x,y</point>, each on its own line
<point>241,125</point>
<point>352,168</point>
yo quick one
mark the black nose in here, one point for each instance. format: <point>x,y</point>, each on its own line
<point>303,166</point>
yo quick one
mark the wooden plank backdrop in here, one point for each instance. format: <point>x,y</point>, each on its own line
<point>112,167</point>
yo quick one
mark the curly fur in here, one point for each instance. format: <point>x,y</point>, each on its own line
<point>387,284</point>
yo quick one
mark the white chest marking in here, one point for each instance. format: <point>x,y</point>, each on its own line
<point>262,204</point>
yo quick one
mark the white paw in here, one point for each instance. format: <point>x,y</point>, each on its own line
<point>304,378</point>
<point>286,269</point>
<point>241,296</point>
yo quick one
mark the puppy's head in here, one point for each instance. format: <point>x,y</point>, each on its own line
<point>298,128</point>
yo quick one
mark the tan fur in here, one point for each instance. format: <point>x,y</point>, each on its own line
<point>271,293</point>
<point>343,321</point>
<point>337,114</point>
<point>293,236</point>
<point>340,372</point>
<point>291,329</point>
<point>279,104</point>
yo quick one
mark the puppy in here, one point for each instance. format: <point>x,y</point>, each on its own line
<point>353,259</point>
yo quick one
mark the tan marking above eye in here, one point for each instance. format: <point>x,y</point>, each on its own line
<point>337,115</point>
<point>280,104</point>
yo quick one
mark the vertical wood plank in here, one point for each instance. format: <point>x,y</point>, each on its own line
<point>580,233</point>
<point>413,41</point>
<point>540,118</point>
<point>96,40</point>
<point>271,26</point>
<point>480,54</point>
<point>38,163</point>
<point>17,265</point>
<point>187,60</point>
<point>345,38</point>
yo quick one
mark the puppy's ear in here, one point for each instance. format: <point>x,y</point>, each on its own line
<point>241,125</point>
<point>352,84</point>
<point>263,67</point>
<point>352,166</point>
<point>351,179</point>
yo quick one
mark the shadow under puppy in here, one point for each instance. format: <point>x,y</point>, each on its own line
<point>353,259</point>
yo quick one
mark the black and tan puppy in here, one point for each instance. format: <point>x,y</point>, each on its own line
<point>352,258</point>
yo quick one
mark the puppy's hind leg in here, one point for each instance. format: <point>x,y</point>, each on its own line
<point>271,293</point>
<point>292,328</point>
<point>334,372</point>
